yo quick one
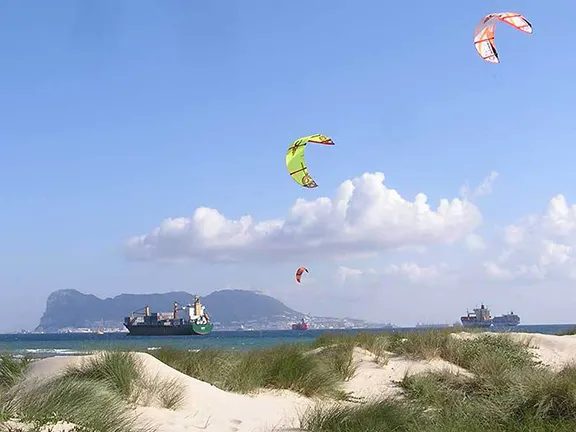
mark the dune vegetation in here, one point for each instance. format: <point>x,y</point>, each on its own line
<point>568,332</point>
<point>316,370</point>
<point>290,367</point>
<point>505,387</point>
<point>97,395</point>
<point>508,391</point>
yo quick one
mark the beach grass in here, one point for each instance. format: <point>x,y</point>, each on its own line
<point>96,395</point>
<point>116,369</point>
<point>568,332</point>
<point>383,415</point>
<point>319,369</point>
<point>123,373</point>
<point>88,404</point>
<point>290,367</point>
<point>377,343</point>
<point>338,359</point>
<point>11,369</point>
<point>506,390</point>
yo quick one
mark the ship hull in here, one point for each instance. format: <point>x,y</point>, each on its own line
<point>477,324</point>
<point>162,330</point>
<point>506,322</point>
<point>202,329</point>
<point>489,324</point>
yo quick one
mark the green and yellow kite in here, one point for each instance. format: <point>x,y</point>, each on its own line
<point>295,159</point>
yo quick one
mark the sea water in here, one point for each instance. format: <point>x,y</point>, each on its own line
<point>47,345</point>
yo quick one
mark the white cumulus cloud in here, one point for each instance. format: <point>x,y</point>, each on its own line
<point>363,216</point>
<point>539,246</point>
<point>406,272</point>
<point>484,188</point>
<point>475,242</point>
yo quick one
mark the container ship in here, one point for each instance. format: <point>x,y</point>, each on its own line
<point>196,321</point>
<point>302,325</point>
<point>481,318</point>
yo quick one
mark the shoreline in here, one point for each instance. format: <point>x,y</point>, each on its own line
<point>47,345</point>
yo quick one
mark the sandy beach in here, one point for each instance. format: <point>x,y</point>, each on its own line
<point>205,407</point>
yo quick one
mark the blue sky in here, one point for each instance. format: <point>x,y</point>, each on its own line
<point>116,115</point>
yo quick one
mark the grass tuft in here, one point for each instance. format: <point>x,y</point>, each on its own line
<point>124,374</point>
<point>384,415</point>
<point>95,395</point>
<point>286,367</point>
<point>339,359</point>
<point>548,395</point>
<point>377,343</point>
<point>11,369</point>
<point>568,332</point>
<point>91,405</point>
<point>283,367</point>
<point>489,354</point>
<point>167,393</point>
<point>421,345</point>
<point>117,369</point>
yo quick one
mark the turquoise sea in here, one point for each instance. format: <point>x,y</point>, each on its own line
<point>45,345</point>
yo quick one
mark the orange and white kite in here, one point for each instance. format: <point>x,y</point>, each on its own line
<point>485,30</point>
<point>299,273</point>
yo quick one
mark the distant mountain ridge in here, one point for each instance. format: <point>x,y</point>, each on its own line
<point>71,308</point>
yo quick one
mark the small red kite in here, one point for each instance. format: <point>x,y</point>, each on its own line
<point>299,273</point>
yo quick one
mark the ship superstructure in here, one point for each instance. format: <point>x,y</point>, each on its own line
<point>196,321</point>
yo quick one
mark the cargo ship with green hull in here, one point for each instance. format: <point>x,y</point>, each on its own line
<point>195,322</point>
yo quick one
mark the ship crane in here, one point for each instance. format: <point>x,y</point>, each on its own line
<point>145,311</point>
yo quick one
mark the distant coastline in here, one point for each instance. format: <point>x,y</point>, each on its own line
<point>54,344</point>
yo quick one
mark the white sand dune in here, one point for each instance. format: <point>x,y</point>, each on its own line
<point>207,408</point>
<point>553,351</point>
<point>213,410</point>
<point>375,380</point>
